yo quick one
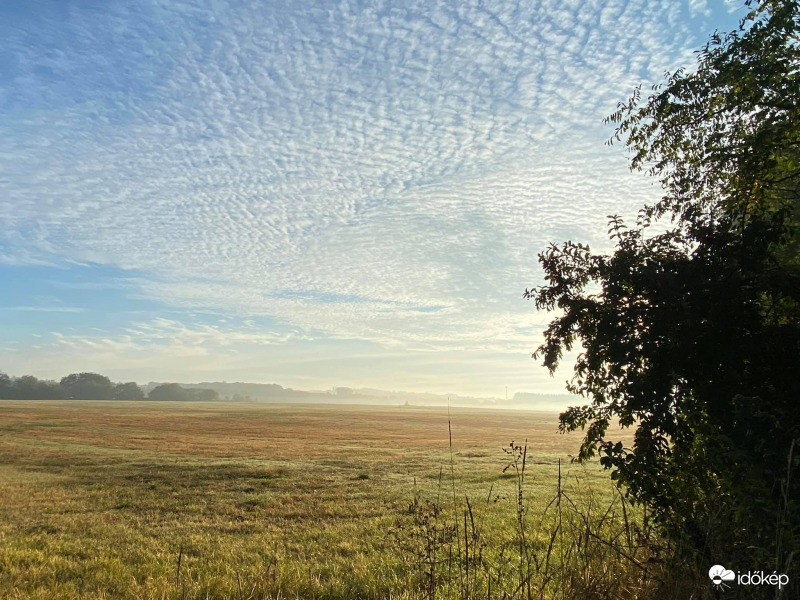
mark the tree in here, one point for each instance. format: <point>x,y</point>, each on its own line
<point>203,395</point>
<point>169,392</point>
<point>5,386</point>
<point>693,335</point>
<point>128,391</point>
<point>176,393</point>
<point>29,387</point>
<point>87,386</point>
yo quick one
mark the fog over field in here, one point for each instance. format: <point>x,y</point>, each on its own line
<point>344,395</point>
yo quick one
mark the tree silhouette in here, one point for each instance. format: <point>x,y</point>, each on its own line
<point>692,335</point>
<point>87,386</point>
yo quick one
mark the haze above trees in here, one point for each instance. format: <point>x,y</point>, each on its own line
<point>92,386</point>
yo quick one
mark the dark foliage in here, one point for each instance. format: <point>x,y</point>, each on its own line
<point>28,387</point>
<point>77,386</point>
<point>91,386</point>
<point>692,335</point>
<point>87,386</point>
<point>128,391</point>
<point>176,393</point>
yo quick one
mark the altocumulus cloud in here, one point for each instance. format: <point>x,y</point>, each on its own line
<point>380,171</point>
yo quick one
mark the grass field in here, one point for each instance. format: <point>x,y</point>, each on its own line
<point>213,500</point>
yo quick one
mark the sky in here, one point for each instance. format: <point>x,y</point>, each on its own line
<point>312,193</point>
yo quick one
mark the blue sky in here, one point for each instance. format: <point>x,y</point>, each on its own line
<point>311,193</point>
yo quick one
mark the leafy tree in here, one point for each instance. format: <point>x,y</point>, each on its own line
<point>128,391</point>
<point>5,385</point>
<point>87,386</point>
<point>176,393</point>
<point>29,387</point>
<point>168,392</point>
<point>203,395</point>
<point>692,335</point>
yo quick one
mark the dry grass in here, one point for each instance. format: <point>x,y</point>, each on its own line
<point>178,500</point>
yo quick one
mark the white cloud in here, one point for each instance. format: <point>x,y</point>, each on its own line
<point>699,7</point>
<point>383,171</point>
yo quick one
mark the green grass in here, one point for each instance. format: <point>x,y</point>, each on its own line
<point>150,500</point>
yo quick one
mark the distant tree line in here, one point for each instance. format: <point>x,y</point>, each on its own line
<point>92,386</point>
<point>174,392</point>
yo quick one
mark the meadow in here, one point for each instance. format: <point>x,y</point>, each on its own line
<point>222,500</point>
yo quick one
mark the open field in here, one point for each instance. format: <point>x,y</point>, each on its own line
<point>188,500</point>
